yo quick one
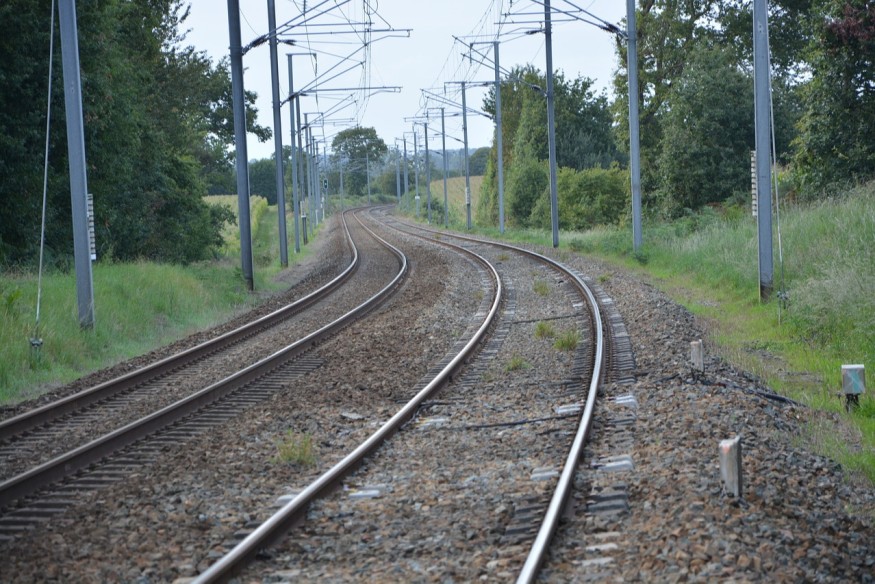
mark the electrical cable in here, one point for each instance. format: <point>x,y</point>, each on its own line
<point>36,341</point>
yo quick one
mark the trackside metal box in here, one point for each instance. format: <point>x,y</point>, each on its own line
<point>853,379</point>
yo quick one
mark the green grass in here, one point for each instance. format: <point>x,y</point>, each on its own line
<point>455,196</point>
<point>544,330</point>
<point>708,262</point>
<point>540,287</point>
<point>567,341</point>
<point>295,448</point>
<point>138,306</point>
<point>516,363</point>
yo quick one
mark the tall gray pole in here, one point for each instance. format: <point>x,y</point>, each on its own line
<point>467,169</point>
<point>763,146</point>
<point>325,189</point>
<point>406,168</point>
<point>416,168</point>
<point>306,156</point>
<point>427,177</point>
<point>551,125</point>
<point>444,149</point>
<point>311,209</point>
<point>296,193</point>
<point>278,137</point>
<point>340,164</point>
<point>634,136</point>
<point>317,184</point>
<point>76,159</point>
<point>240,142</point>
<point>368,173</point>
<point>302,156</point>
<point>397,175</point>
<point>499,141</point>
<point>311,175</point>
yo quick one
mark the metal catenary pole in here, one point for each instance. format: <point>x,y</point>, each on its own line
<point>314,169</point>
<point>296,193</point>
<point>406,168</point>
<point>76,159</point>
<point>427,177</point>
<point>499,141</point>
<point>416,168</point>
<point>368,173</point>
<point>467,168</point>
<point>278,137</point>
<point>397,175</point>
<point>634,136</point>
<point>551,124</point>
<point>240,142</point>
<point>444,149</point>
<point>763,166</point>
<point>317,185</point>
<point>309,170</point>
<point>301,156</point>
<point>324,188</point>
<point>340,164</point>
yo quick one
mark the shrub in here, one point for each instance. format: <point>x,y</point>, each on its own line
<point>567,341</point>
<point>544,330</point>
<point>296,448</point>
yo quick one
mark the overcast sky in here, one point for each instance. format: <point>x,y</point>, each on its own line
<point>426,60</point>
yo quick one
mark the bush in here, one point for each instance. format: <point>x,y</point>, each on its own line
<point>526,182</point>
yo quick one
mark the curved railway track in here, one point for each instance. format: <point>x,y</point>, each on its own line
<point>42,421</point>
<point>588,364</point>
<point>188,416</point>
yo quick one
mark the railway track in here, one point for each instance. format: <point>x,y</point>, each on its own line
<point>20,496</point>
<point>535,515</point>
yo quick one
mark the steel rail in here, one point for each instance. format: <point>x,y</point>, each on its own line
<point>16,425</point>
<point>62,466</point>
<point>560,496</point>
<point>273,529</point>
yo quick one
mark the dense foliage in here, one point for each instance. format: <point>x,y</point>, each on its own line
<point>584,139</point>
<point>835,143</point>
<point>696,72</point>
<point>158,123</point>
<point>696,112</point>
<point>354,149</point>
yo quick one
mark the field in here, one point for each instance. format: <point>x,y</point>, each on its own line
<point>138,306</point>
<point>455,196</point>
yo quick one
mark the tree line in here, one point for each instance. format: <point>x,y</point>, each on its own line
<point>158,125</point>
<point>697,118</point>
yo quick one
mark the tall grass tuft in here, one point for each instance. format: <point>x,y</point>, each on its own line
<point>296,448</point>
<point>544,330</point>
<point>567,341</point>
